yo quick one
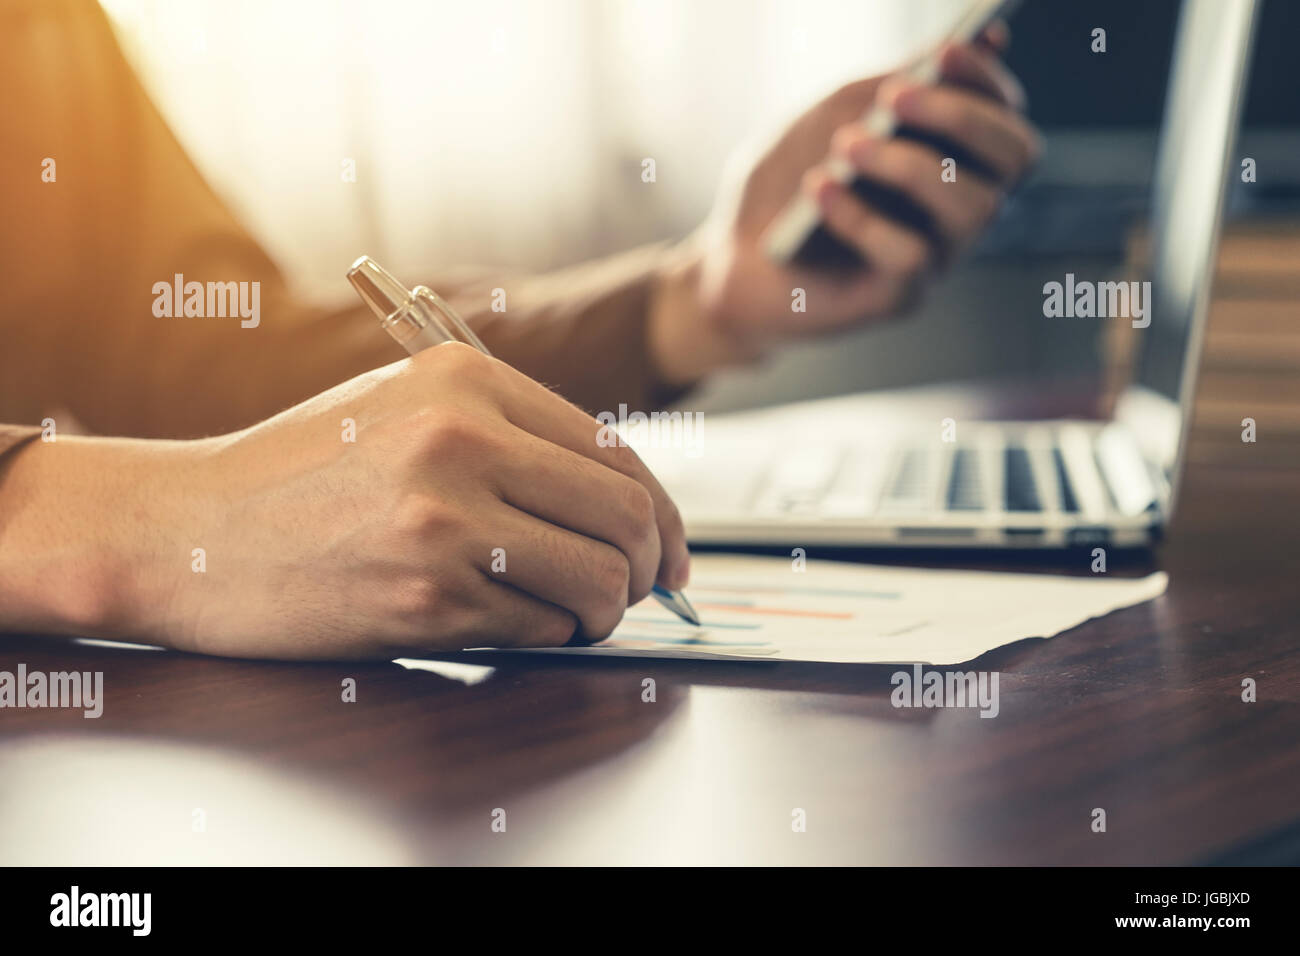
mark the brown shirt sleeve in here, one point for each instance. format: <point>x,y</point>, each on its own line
<point>102,204</point>
<point>11,436</point>
<point>581,330</point>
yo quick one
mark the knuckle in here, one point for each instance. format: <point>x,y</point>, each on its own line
<point>608,596</point>
<point>639,507</point>
<point>611,580</point>
<point>455,357</point>
<point>643,547</point>
<point>424,516</point>
<point>490,370</point>
<point>670,519</point>
<point>449,430</point>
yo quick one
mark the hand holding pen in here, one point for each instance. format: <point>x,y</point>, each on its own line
<point>419,319</point>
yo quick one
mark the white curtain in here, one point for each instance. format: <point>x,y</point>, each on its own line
<point>503,132</point>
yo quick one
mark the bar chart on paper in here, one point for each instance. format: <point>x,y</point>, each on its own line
<point>761,608</point>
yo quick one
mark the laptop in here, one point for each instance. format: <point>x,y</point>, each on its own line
<point>830,472</point>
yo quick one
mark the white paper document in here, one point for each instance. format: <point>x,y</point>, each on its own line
<point>762,608</point>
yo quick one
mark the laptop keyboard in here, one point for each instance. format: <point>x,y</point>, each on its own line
<point>1021,494</point>
<point>966,485</point>
<point>912,482</point>
<point>814,483</point>
<point>1069,500</point>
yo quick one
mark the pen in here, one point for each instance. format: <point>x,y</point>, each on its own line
<point>419,318</point>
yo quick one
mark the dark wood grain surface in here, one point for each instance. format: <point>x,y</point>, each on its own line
<point>1140,713</point>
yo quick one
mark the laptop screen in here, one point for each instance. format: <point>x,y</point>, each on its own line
<point>1202,109</point>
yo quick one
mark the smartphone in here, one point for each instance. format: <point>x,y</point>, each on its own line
<point>797,236</point>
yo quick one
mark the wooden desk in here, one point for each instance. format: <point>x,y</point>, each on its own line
<point>1139,713</point>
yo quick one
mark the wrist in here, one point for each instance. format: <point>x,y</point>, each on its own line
<point>688,338</point>
<point>86,538</point>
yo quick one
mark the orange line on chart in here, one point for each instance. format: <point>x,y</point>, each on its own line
<point>778,611</point>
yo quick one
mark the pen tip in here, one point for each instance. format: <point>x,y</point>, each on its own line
<point>687,610</point>
<point>676,602</point>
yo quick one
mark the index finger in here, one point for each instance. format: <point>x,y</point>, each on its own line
<point>979,70</point>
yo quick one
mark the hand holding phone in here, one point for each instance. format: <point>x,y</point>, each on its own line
<point>799,237</point>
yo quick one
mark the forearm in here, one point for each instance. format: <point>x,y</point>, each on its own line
<point>85,529</point>
<point>593,332</point>
<point>588,331</point>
